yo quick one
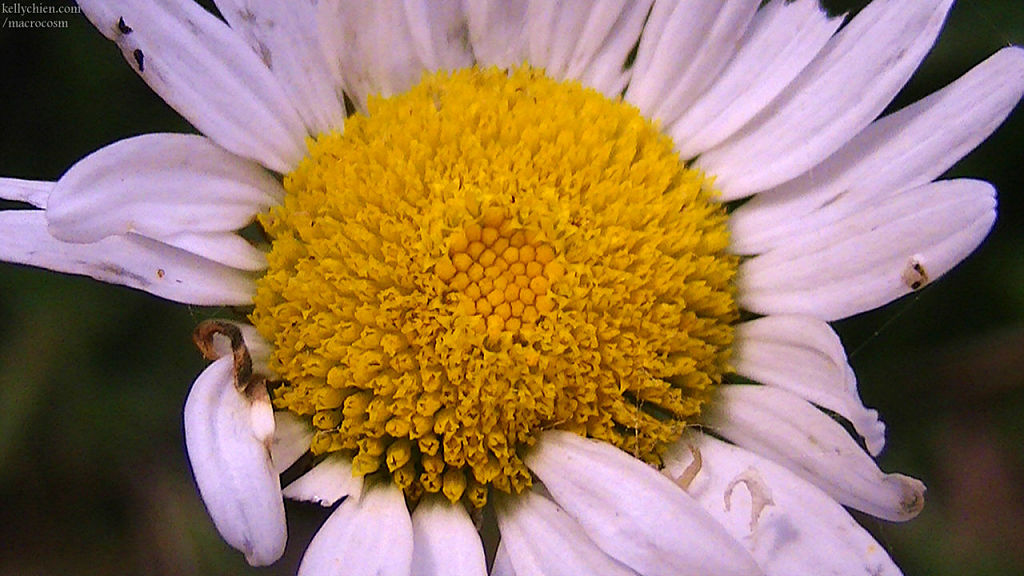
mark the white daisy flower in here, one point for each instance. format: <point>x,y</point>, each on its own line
<point>574,261</point>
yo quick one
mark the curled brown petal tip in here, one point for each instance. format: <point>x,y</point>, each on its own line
<point>203,337</point>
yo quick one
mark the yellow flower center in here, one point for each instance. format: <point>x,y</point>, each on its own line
<point>486,256</point>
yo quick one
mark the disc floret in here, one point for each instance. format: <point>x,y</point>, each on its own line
<point>487,256</point>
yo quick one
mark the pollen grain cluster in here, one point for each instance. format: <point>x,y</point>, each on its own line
<point>486,256</point>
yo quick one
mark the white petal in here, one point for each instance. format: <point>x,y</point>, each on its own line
<point>259,349</point>
<point>684,46</point>
<point>328,482</point>
<point>32,192</point>
<point>502,563</point>
<point>792,432</point>
<point>232,466</point>
<point>227,248</point>
<point>631,512</point>
<point>905,149</point>
<point>284,35</point>
<point>208,74</point>
<point>804,355</point>
<point>847,86</point>
<point>611,32</point>
<point>180,189</point>
<point>782,40</point>
<point>439,33</point>
<point>444,540</point>
<point>496,31</point>
<point>369,536</point>
<point>584,40</point>
<point>541,538</point>
<point>384,47</point>
<point>159,185</point>
<point>131,260</point>
<point>261,419</point>
<point>873,256</point>
<point>292,437</point>
<point>552,33</point>
<point>803,531</point>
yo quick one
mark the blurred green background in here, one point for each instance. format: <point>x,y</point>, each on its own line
<point>93,477</point>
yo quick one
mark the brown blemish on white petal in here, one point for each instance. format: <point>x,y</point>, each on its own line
<point>760,494</point>
<point>140,59</point>
<point>108,271</point>
<point>686,478</point>
<point>912,500</point>
<point>265,55</point>
<point>914,275</point>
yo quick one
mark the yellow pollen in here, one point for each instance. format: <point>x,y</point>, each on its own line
<point>487,256</point>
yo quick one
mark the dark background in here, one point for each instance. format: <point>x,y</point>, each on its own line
<point>93,477</point>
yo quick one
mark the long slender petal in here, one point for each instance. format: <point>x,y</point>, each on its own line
<point>684,46</point>
<point>232,465</point>
<point>631,512</point>
<point>552,31</point>
<point>792,432</point>
<point>225,248</point>
<point>369,536</point>
<point>905,149</point>
<point>284,35</point>
<point>444,540</point>
<point>439,33</point>
<point>801,531</point>
<point>541,538</point>
<point>206,72</point>
<point>873,256</point>
<point>804,355</point>
<point>384,47</point>
<point>609,36</point>
<point>32,192</point>
<point>782,40</point>
<point>180,189</point>
<point>853,79</point>
<point>131,260</point>
<point>583,40</point>
<point>496,31</point>
<point>160,186</point>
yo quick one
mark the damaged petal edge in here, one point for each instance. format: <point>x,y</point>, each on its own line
<point>209,337</point>
<point>205,338</point>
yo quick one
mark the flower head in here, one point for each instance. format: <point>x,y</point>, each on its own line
<point>571,261</point>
